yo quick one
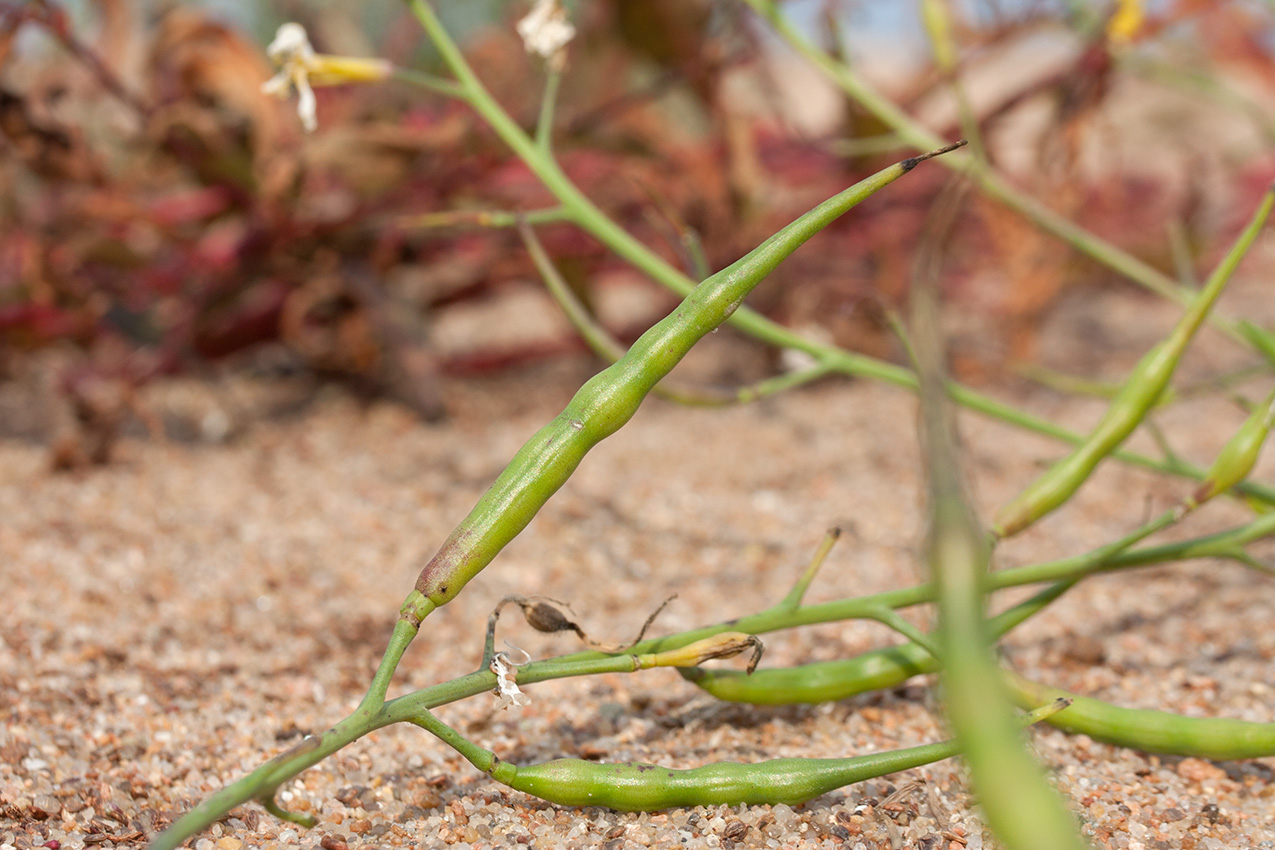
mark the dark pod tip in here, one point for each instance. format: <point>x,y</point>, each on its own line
<point>909,164</point>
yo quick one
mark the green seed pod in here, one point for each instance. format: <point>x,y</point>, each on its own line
<point>825,681</point>
<point>648,787</point>
<point>610,399</point>
<point>1218,738</point>
<point>1136,397</point>
<point>1238,456</point>
<point>819,682</point>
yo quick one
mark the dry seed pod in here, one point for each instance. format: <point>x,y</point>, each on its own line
<point>543,615</point>
<point>724,645</point>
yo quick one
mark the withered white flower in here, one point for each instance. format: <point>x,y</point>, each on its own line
<point>506,686</point>
<point>546,31</point>
<point>301,68</point>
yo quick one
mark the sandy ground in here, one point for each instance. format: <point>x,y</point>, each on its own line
<point>176,618</point>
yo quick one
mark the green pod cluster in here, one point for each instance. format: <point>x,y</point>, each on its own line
<point>608,400</point>
<point>1136,397</point>
<point>1219,738</point>
<point>647,787</point>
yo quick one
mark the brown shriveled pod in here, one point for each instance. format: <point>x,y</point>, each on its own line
<point>544,615</point>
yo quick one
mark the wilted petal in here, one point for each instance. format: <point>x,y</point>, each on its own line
<point>545,30</point>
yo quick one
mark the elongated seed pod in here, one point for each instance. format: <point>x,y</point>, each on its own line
<point>636,787</point>
<point>1136,396</point>
<point>1238,457</point>
<point>1152,731</point>
<point>1148,730</point>
<point>649,787</point>
<point>822,681</point>
<point>611,397</point>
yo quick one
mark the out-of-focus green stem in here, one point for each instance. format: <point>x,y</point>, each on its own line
<point>989,181</point>
<point>548,102</point>
<point>577,208</point>
<point>480,218</point>
<point>936,15</point>
<point>438,85</point>
<point>1020,807</point>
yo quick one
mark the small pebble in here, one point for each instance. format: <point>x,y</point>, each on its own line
<point>1199,770</point>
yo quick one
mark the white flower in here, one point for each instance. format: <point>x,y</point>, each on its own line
<point>545,31</point>
<point>300,68</point>
<point>506,686</point>
<point>292,52</point>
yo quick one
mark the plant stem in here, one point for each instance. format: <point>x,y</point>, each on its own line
<point>578,209</point>
<point>265,780</point>
<point>1021,808</point>
<point>989,181</point>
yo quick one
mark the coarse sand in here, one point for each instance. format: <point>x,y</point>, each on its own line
<point>177,617</point>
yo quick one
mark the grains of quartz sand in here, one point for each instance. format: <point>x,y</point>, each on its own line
<point>179,616</point>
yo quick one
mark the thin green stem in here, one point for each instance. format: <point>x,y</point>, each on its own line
<point>492,219</point>
<point>577,208</point>
<point>1112,557</point>
<point>263,782</point>
<point>798,593</point>
<point>404,631</point>
<point>894,620</point>
<point>436,84</point>
<point>609,348</point>
<point>548,102</point>
<point>989,181</point>
<point>936,15</point>
<point>1019,805</point>
<point>876,669</point>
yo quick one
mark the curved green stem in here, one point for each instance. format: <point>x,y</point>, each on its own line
<point>265,780</point>
<point>577,208</point>
<point>989,181</point>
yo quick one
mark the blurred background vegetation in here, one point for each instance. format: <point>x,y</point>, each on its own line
<point>159,216</point>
